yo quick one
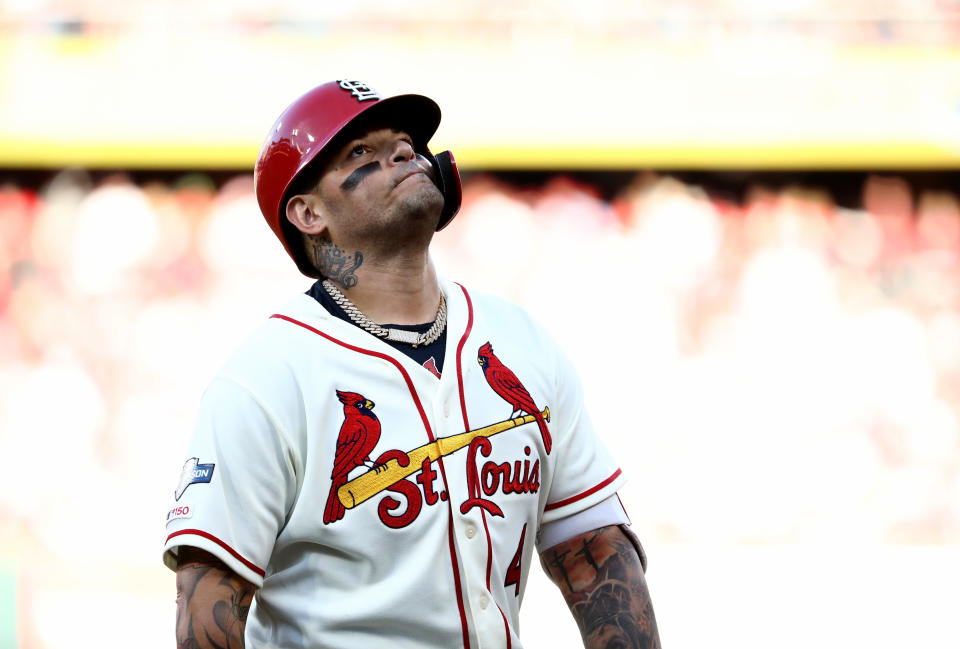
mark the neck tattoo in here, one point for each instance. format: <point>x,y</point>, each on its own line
<point>335,262</point>
<point>395,335</point>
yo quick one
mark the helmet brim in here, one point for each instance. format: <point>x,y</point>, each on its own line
<point>415,115</point>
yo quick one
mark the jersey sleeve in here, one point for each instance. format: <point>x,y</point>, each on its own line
<point>584,473</point>
<point>605,513</point>
<point>237,483</point>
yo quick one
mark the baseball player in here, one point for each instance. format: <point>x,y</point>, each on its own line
<point>383,457</point>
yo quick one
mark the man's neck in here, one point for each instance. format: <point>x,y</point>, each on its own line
<point>402,291</point>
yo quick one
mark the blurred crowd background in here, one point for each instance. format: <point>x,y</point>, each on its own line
<point>741,219</point>
<point>787,328</point>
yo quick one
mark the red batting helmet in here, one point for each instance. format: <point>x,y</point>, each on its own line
<point>311,122</point>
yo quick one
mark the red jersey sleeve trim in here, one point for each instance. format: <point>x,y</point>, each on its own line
<point>582,495</point>
<point>233,553</point>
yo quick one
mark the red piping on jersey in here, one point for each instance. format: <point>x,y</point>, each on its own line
<point>580,496</point>
<point>456,575</point>
<point>466,424</point>
<point>453,555</point>
<point>426,425</point>
<point>463,341</point>
<point>506,625</point>
<point>466,419</point>
<point>486,530</point>
<point>369,352</point>
<point>236,555</point>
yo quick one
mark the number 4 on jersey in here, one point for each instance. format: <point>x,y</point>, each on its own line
<point>514,571</point>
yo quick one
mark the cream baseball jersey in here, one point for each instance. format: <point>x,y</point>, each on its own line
<point>370,500</point>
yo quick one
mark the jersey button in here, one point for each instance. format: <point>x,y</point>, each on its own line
<point>484,602</point>
<point>471,530</point>
<point>446,410</point>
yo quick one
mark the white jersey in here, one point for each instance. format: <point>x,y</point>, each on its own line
<point>372,502</point>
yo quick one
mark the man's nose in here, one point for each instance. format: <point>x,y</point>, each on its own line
<point>402,152</point>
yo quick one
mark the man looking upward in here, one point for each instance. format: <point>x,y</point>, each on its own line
<point>382,458</point>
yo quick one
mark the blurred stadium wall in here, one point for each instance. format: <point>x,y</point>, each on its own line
<point>741,219</point>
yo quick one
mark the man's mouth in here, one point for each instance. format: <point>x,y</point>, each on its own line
<point>412,174</point>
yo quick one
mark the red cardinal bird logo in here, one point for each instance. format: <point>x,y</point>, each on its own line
<point>508,386</point>
<point>358,437</point>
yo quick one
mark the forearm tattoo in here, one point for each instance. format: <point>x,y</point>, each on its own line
<point>212,605</point>
<point>333,262</point>
<point>601,578</point>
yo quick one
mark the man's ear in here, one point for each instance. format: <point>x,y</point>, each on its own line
<point>305,212</point>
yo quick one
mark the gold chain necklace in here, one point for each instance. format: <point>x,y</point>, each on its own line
<point>396,335</point>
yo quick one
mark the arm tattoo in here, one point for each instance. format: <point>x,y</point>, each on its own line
<point>333,262</point>
<point>601,578</point>
<point>585,551</point>
<point>212,603</point>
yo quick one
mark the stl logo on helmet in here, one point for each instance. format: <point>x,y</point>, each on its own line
<point>359,89</point>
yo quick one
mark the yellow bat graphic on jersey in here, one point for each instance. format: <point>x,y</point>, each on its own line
<point>379,478</point>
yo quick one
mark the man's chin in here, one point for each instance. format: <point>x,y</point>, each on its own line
<point>423,207</point>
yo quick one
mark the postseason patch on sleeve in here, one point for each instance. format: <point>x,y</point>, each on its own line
<point>193,472</point>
